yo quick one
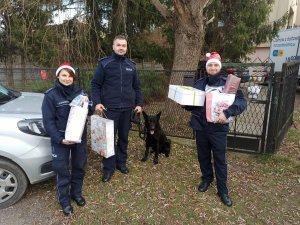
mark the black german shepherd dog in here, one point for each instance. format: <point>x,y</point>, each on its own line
<point>155,138</point>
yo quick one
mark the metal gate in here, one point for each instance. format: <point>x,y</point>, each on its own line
<point>249,131</point>
<point>282,105</point>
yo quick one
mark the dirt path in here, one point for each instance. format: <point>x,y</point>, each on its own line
<point>33,208</point>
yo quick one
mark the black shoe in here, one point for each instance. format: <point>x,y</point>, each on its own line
<point>107,176</point>
<point>225,199</point>
<point>123,169</point>
<point>80,201</point>
<point>68,210</point>
<point>203,186</point>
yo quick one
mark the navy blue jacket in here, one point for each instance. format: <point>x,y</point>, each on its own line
<point>116,84</point>
<point>56,108</point>
<point>198,119</point>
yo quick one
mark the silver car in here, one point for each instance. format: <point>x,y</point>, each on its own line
<point>25,149</point>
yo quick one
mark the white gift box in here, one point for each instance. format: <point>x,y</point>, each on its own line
<point>76,123</point>
<point>185,95</point>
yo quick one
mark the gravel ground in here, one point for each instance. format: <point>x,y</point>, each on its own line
<point>33,208</point>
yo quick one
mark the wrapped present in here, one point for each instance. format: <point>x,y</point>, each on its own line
<point>185,95</point>
<point>76,122</point>
<point>102,136</point>
<point>216,102</point>
<point>232,84</point>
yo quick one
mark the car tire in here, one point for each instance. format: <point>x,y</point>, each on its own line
<point>13,183</point>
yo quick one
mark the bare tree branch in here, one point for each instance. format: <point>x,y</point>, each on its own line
<point>167,14</point>
<point>210,20</point>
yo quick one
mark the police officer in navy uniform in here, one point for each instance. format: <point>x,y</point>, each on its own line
<point>211,138</point>
<point>115,90</point>
<point>55,110</point>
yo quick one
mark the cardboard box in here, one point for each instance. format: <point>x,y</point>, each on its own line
<point>185,95</point>
<point>232,84</point>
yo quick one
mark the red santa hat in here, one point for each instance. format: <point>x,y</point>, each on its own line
<point>213,57</point>
<point>65,65</point>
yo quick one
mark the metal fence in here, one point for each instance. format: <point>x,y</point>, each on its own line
<point>260,129</point>
<point>282,105</point>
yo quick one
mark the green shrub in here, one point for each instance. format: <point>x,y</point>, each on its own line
<point>154,85</point>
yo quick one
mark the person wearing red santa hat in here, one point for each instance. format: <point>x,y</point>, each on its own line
<point>211,138</point>
<point>55,110</point>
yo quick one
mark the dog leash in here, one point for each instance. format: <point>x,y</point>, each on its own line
<point>136,119</point>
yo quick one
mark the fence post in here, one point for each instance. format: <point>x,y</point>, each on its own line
<point>273,119</point>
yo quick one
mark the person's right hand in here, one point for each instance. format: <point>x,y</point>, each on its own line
<point>65,142</point>
<point>100,108</point>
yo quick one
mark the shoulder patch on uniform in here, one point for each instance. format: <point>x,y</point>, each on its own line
<point>49,90</point>
<point>105,61</point>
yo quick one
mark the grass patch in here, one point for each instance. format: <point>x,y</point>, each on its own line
<point>167,193</point>
<point>264,189</point>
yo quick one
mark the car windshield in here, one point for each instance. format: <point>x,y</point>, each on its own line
<point>7,94</point>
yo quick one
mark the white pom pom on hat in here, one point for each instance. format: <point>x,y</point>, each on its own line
<point>213,57</point>
<point>65,65</point>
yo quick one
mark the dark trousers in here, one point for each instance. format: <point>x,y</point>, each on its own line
<point>122,126</point>
<point>69,184</point>
<point>208,144</point>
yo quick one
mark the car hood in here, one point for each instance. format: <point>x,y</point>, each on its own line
<point>28,105</point>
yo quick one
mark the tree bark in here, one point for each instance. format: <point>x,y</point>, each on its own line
<point>187,21</point>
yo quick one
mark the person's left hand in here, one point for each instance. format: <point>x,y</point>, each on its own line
<point>138,109</point>
<point>221,118</point>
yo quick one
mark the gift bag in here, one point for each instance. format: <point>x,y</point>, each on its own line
<point>232,84</point>
<point>217,102</point>
<point>76,122</point>
<point>102,136</point>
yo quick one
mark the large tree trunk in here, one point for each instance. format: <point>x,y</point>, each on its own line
<point>187,50</point>
<point>187,53</point>
<point>187,21</point>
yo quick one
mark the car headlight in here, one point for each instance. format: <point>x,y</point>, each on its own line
<point>32,126</point>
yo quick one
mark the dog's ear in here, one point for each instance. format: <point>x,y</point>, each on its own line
<point>158,115</point>
<point>145,115</point>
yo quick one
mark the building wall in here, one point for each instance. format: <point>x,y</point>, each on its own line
<point>260,55</point>
<point>280,8</point>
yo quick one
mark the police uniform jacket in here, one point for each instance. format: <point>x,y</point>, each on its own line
<point>56,110</point>
<point>198,118</point>
<point>116,84</point>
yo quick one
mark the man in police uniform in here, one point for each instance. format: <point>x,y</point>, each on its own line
<point>115,90</point>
